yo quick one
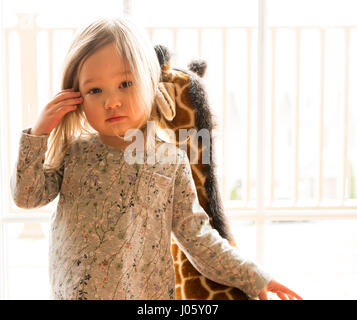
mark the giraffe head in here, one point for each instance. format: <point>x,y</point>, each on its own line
<point>181,97</point>
<point>198,66</point>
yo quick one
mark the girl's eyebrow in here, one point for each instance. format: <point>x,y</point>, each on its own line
<point>118,74</point>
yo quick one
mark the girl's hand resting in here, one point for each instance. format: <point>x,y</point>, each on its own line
<point>281,291</point>
<point>63,102</point>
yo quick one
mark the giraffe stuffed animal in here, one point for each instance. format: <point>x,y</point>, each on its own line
<point>182,103</point>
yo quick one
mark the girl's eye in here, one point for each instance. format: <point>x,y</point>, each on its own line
<point>94,91</point>
<point>126,84</point>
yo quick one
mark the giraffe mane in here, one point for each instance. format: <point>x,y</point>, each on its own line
<point>204,119</point>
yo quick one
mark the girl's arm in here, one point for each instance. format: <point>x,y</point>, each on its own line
<point>31,185</point>
<point>209,253</point>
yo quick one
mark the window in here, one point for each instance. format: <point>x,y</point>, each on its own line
<point>280,80</point>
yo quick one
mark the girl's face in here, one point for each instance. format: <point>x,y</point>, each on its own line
<point>106,85</point>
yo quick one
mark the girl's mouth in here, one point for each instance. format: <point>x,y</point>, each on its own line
<point>115,119</point>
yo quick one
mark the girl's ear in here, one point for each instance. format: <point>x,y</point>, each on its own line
<point>80,110</point>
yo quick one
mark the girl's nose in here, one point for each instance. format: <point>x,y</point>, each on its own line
<point>112,102</point>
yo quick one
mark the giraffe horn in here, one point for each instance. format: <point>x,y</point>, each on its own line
<point>165,100</point>
<point>198,66</point>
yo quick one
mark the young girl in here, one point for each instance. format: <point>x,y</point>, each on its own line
<point>111,233</point>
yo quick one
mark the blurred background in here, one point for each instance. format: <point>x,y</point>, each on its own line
<point>281,82</point>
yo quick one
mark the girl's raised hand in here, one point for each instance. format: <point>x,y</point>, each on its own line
<point>281,291</point>
<point>63,102</point>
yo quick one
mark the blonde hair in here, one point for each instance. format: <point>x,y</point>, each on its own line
<point>134,47</point>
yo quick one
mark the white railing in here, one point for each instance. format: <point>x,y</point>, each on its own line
<point>31,57</point>
<point>27,34</point>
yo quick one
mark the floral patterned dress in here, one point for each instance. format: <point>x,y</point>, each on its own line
<point>110,235</point>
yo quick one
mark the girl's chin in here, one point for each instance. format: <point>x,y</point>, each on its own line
<point>115,134</point>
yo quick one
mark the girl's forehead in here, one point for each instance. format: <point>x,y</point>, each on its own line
<point>104,62</point>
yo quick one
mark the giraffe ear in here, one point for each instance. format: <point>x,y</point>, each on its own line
<point>165,100</point>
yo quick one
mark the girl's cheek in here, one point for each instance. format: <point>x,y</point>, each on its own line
<point>87,100</point>
<point>91,104</point>
<point>86,104</point>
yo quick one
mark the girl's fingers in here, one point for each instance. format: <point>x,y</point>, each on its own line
<point>281,295</point>
<point>296,296</point>
<point>62,106</point>
<point>263,295</point>
<point>67,108</point>
<point>69,105</point>
<point>66,95</point>
<point>292,293</point>
<point>70,102</point>
<point>64,90</point>
<point>286,290</point>
<point>289,295</point>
